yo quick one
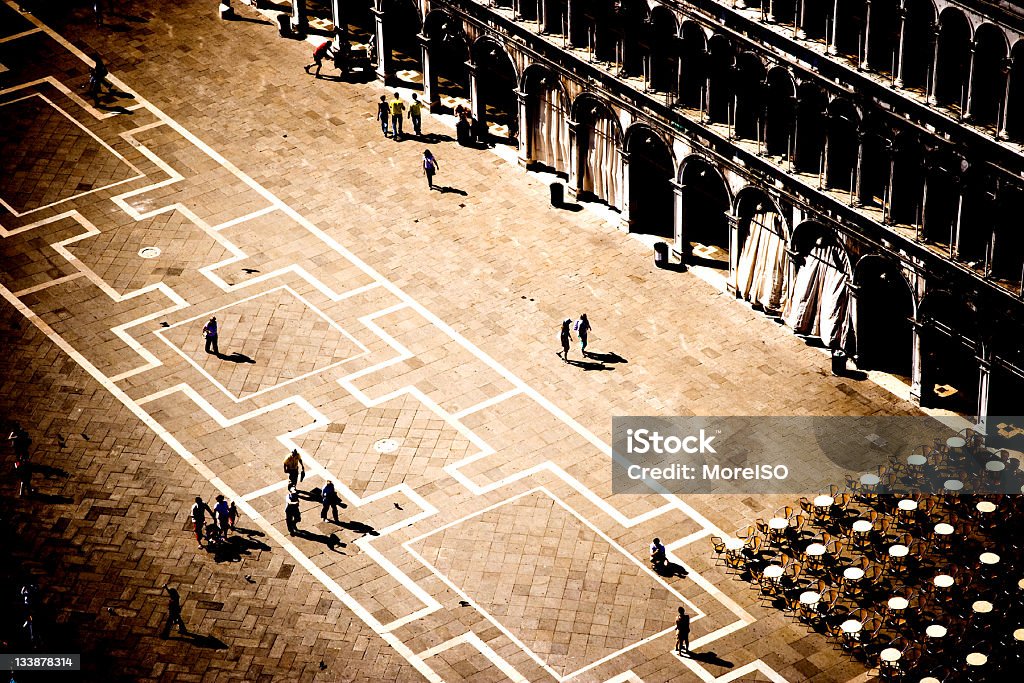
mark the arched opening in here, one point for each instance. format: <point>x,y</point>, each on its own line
<point>579,24</point>
<point>762,268</point>
<point>721,60</point>
<point>977,209</point>
<point>651,170</point>
<point>1007,249</point>
<point>496,87</point>
<point>780,112</point>
<point>883,37</point>
<point>849,29</point>
<point>818,303</point>
<point>954,58</point>
<point>841,155</point>
<point>885,312</point>
<point>816,20</point>
<point>988,81</point>
<point>874,165</point>
<point>547,112</point>
<point>705,204</point>
<point>528,10</point>
<point>907,188</point>
<point>359,22</point>
<point>555,17</point>
<point>1014,116</point>
<point>942,197</point>
<point>748,98</point>
<point>949,365</point>
<point>630,30</point>
<point>810,129</point>
<point>918,34</point>
<point>401,26</point>
<point>1006,386</point>
<point>448,54</point>
<point>783,11</point>
<point>693,71</point>
<point>599,145</point>
<point>664,61</point>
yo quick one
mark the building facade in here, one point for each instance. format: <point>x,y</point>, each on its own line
<point>855,166</point>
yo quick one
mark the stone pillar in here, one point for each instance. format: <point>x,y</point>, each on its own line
<point>476,106</point>
<point>866,56</point>
<point>625,222</point>
<point>855,184</point>
<point>572,185</point>
<point>299,20</point>
<point>853,305</point>
<point>900,47</point>
<point>383,52</point>
<point>832,42</point>
<point>934,84</point>
<point>525,134</point>
<point>430,93</point>
<point>984,386</point>
<point>890,150</point>
<point>681,240</point>
<point>1007,72</point>
<point>769,14</point>
<point>734,252</point>
<point>916,362</point>
<point>798,20</point>
<point>339,20</point>
<point>965,104</point>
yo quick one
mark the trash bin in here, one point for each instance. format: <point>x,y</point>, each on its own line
<point>557,194</point>
<point>838,363</point>
<point>660,254</point>
<point>284,25</point>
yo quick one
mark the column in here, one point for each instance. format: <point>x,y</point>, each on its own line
<point>430,93</point>
<point>916,371</point>
<point>853,305</point>
<point>572,185</point>
<point>734,252</point>
<point>890,150</point>
<point>1004,116</point>
<point>383,52</point>
<point>299,21</point>
<point>798,20</point>
<point>476,106</point>
<point>625,222</point>
<point>866,64</point>
<point>984,385</point>
<point>934,84</point>
<point>832,48</point>
<point>900,46</point>
<point>769,10</point>
<point>338,18</point>
<point>965,104</point>
<point>525,133</point>
<point>856,185</point>
<point>681,244</point>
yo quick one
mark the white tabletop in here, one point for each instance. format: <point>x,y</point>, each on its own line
<point>851,626</point>
<point>1020,584</point>
<point>862,526</point>
<point>898,550</point>
<point>853,573</point>
<point>907,505</point>
<point>1018,635</point>
<point>733,543</point>
<point>943,529</point>
<point>870,479</point>
<point>953,485</point>
<point>824,501</point>
<point>930,679</point>
<point>815,549</point>
<point>989,558</point>
<point>995,466</point>
<point>956,442</point>
<point>898,603</point>
<point>810,598</point>
<point>890,654</point>
<point>943,581</point>
<point>916,460</point>
<point>936,631</point>
<point>976,659</point>
<point>773,571</point>
<point>982,607</point>
<point>778,523</point>
<point>986,506</point>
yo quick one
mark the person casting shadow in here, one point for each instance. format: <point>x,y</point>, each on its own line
<point>173,613</point>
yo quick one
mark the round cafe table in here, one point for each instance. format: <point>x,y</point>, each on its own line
<point>777,524</point>
<point>890,654</point>
<point>988,558</point>
<point>898,603</point>
<point>976,659</point>
<point>824,501</point>
<point>956,442</point>
<point>898,550</point>
<point>1018,635</point>
<point>733,544</point>
<point>943,581</point>
<point>986,506</point>
<point>810,598</point>
<point>907,505</point>
<point>851,626</point>
<point>943,529</point>
<point>995,466</point>
<point>773,572</point>
<point>917,460</point>
<point>982,607</point>
<point>953,485</point>
<point>930,679</point>
<point>936,631</point>
<point>870,479</point>
<point>862,526</point>
<point>853,573</point>
<point>815,550</point>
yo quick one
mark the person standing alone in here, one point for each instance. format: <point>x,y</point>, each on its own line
<point>210,332</point>
<point>329,498</point>
<point>430,167</point>
<point>683,632</point>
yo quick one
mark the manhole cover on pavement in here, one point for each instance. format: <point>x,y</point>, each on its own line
<point>149,252</point>
<point>386,446</point>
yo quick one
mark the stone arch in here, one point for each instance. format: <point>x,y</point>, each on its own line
<point>401,26</point>
<point>988,80</point>
<point>816,20</point>
<point>843,130</point>
<point>497,82</point>
<point>906,190</point>
<point>762,268</point>
<point>779,112</point>
<point>693,65</point>
<point>555,15</point>
<point>599,144</point>
<point>809,147</point>
<point>954,57</point>
<point>850,28</point>
<point>818,304</point>
<point>706,204</point>
<point>916,57</point>
<point>949,366</point>
<point>883,37</point>
<point>664,70</point>
<point>651,172</point>
<point>548,108</point>
<point>721,62</point>
<point>749,96</point>
<point>886,308</point>
<point>449,52</point>
<point>942,168</point>
<point>1014,114</point>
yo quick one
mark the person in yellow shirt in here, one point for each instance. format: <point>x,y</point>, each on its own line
<point>415,113</point>
<point>397,112</point>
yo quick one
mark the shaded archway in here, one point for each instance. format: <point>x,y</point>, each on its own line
<point>943,170</point>
<point>359,22</point>
<point>651,171</point>
<point>401,27</point>
<point>555,16</point>
<point>780,112</point>
<point>885,312</point>
<point>949,365</point>
<point>1007,249</point>
<point>906,191</point>
<point>918,34</point>
<point>815,20</point>
<point>818,305</point>
<point>664,76</point>
<point>976,216</point>
<point>810,129</point>
<point>850,29</point>
<point>762,266</point>
<point>693,69</point>
<point>875,151</point>
<point>630,31</point>
<point>954,58</point>
<point>547,117</point>
<point>1014,115</point>
<point>497,83</point>
<point>988,80</point>
<point>841,154</point>
<point>705,208</point>
<point>883,37</point>
<point>599,141</point>
<point>448,54</point>
<point>721,60</point>
<point>749,89</point>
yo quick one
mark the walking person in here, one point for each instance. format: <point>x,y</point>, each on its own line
<point>97,9</point>
<point>330,500</point>
<point>98,79</point>
<point>416,115</point>
<point>397,113</point>
<point>173,613</point>
<point>232,515</point>
<point>223,514</point>
<point>682,632</point>
<point>430,167</point>
<point>566,339</point>
<point>292,514</point>
<point>21,441</point>
<point>210,332</point>
<point>583,328</point>
<point>292,466</point>
<point>198,513</point>
<point>383,112</point>
<point>659,560</point>
<point>320,52</point>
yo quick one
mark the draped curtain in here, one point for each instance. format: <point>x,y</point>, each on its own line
<point>550,132</point>
<point>762,270</point>
<point>602,171</point>
<point>818,306</point>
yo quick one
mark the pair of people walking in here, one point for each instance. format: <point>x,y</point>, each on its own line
<point>582,328</point>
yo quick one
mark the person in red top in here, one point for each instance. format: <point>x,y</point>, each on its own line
<point>321,52</point>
